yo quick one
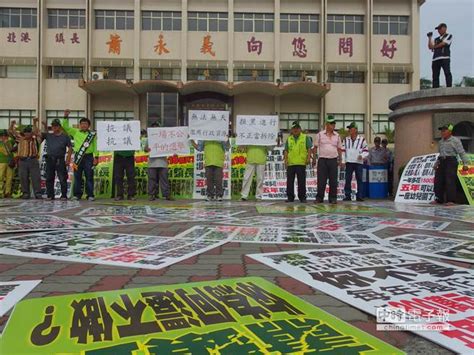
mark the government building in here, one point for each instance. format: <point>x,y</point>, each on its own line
<point>155,60</point>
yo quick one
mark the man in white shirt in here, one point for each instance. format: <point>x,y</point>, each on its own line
<point>354,151</point>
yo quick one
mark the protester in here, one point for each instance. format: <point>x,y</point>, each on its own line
<point>297,155</point>
<point>56,163</point>
<point>256,160</point>
<point>214,157</point>
<point>7,164</point>
<point>327,151</point>
<point>28,152</point>
<point>124,164</point>
<point>85,155</point>
<point>389,165</point>
<point>441,48</point>
<point>377,154</point>
<point>354,148</point>
<point>446,166</point>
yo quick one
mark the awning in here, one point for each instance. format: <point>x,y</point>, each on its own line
<point>79,62</point>
<point>111,62</point>
<point>17,61</point>
<point>393,68</point>
<point>347,67</point>
<point>157,63</point>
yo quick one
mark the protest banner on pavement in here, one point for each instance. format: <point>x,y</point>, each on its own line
<point>467,179</point>
<point>208,125</point>
<point>167,141</point>
<point>417,181</point>
<point>118,135</point>
<point>11,292</point>
<point>256,130</point>
<point>232,316</point>
<point>432,299</point>
<point>37,223</point>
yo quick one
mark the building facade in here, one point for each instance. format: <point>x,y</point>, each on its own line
<point>155,60</point>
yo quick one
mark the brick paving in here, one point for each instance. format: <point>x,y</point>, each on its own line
<point>229,260</point>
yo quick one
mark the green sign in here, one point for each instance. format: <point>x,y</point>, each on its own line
<point>232,316</point>
<point>350,208</point>
<point>467,179</point>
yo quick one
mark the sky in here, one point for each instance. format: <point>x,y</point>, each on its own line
<point>459,17</point>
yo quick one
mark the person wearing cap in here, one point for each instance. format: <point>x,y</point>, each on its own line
<point>441,48</point>
<point>57,143</point>
<point>377,154</point>
<point>447,164</point>
<point>327,152</point>
<point>28,152</point>
<point>85,155</point>
<point>354,151</point>
<point>7,164</point>
<point>296,155</point>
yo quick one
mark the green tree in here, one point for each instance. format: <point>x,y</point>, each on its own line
<point>389,134</point>
<point>425,83</point>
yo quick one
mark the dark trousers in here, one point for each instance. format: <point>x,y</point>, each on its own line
<point>158,176</point>
<point>56,165</point>
<point>445,180</point>
<point>214,178</point>
<point>350,169</point>
<point>124,166</point>
<point>327,168</point>
<point>436,68</point>
<point>300,172</point>
<point>85,167</point>
<point>29,169</point>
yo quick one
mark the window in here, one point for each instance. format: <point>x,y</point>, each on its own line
<point>207,74</point>
<point>253,75</point>
<point>64,72</point>
<point>74,116</point>
<point>113,20</point>
<point>253,22</point>
<point>391,78</point>
<point>348,24</point>
<point>308,121</point>
<point>22,117</point>
<point>112,116</point>
<point>161,21</point>
<point>299,23</point>
<point>207,21</point>
<point>380,123</point>
<point>344,119</point>
<point>394,25</point>
<point>162,107</point>
<point>18,71</point>
<point>17,17</point>
<point>346,77</point>
<point>66,18</point>
<point>161,74</point>
<point>297,75</point>
<point>116,73</point>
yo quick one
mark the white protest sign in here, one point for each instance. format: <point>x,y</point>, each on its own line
<point>257,130</point>
<point>209,125</point>
<point>12,292</point>
<point>118,135</point>
<point>168,141</point>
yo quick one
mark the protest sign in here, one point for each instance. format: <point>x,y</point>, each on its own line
<point>166,141</point>
<point>467,233</point>
<point>103,174</point>
<point>37,223</point>
<point>398,288</point>
<point>118,135</point>
<point>200,182</point>
<point>208,125</point>
<point>232,316</point>
<point>467,179</point>
<point>12,292</point>
<point>256,130</point>
<point>39,207</point>
<point>137,251</point>
<point>417,181</point>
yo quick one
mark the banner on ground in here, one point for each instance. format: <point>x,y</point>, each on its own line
<point>467,179</point>
<point>12,292</point>
<point>37,223</point>
<point>208,125</point>
<point>234,316</point>
<point>118,135</point>
<point>257,130</point>
<point>167,141</point>
<point>417,181</point>
<point>433,299</point>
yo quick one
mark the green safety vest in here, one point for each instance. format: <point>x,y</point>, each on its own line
<point>297,151</point>
<point>214,154</point>
<point>256,155</point>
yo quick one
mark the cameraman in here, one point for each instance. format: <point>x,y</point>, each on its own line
<point>441,54</point>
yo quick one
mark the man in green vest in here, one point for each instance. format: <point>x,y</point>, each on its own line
<point>256,160</point>
<point>85,155</point>
<point>297,155</point>
<point>214,157</point>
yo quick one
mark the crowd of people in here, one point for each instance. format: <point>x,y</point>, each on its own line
<point>20,149</point>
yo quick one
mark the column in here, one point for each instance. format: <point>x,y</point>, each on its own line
<point>323,32</point>
<point>368,84</point>
<point>415,46</point>
<point>40,110</point>
<point>136,56</point>
<point>276,55</point>
<point>184,39</point>
<point>230,41</point>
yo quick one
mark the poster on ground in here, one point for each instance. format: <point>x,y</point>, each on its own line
<point>208,125</point>
<point>167,141</point>
<point>257,130</point>
<point>233,316</point>
<point>467,179</point>
<point>396,287</point>
<point>417,181</point>
<point>37,223</point>
<point>39,207</point>
<point>12,292</point>
<point>118,135</point>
